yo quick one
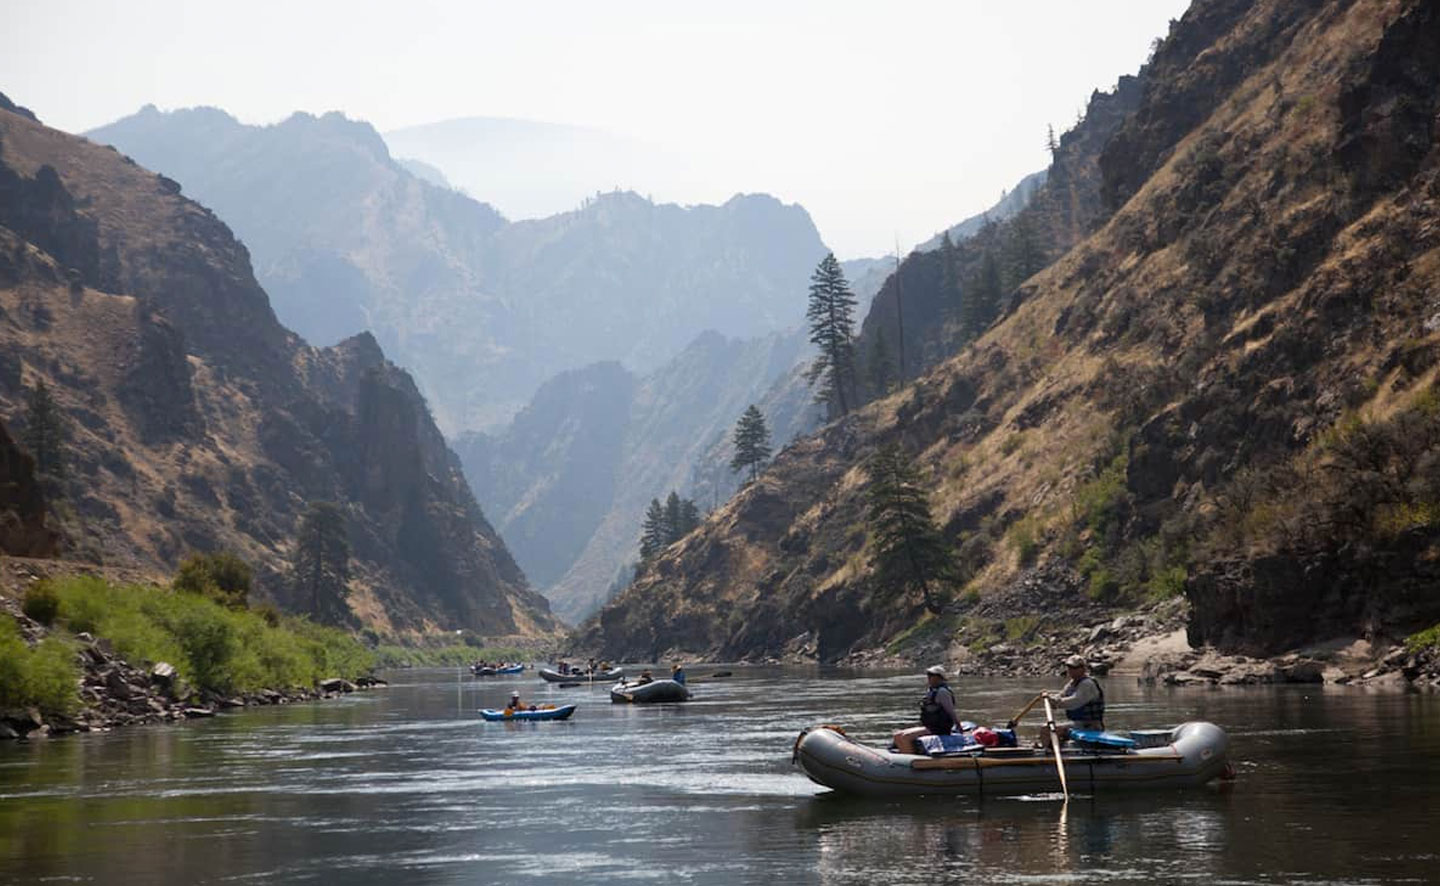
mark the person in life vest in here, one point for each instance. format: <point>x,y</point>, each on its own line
<point>677,673</point>
<point>515,703</point>
<point>1082,699</point>
<point>937,712</point>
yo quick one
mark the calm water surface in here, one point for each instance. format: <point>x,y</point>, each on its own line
<point>409,785</point>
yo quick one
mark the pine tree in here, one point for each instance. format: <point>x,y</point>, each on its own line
<point>949,271</point>
<point>689,517</point>
<point>653,536</point>
<point>1024,255</point>
<point>880,368</point>
<point>909,550</point>
<point>674,518</point>
<point>46,431</point>
<point>320,568</point>
<point>832,329</point>
<point>982,297</point>
<point>666,524</point>
<point>1051,143</point>
<point>752,442</point>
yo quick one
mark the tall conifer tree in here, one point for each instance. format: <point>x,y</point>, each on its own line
<point>653,535</point>
<point>752,442</point>
<point>910,553</point>
<point>320,568</point>
<point>831,314</point>
<point>45,432</point>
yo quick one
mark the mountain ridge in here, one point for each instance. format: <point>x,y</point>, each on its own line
<point>199,422</point>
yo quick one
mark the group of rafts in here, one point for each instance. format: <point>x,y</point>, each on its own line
<point>645,690</point>
<point>969,760</point>
<point>977,760</point>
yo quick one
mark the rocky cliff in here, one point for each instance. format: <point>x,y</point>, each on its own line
<point>198,422</point>
<point>345,238</point>
<point>1223,388</point>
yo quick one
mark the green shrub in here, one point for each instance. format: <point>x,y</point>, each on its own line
<point>211,645</point>
<point>223,577</point>
<point>41,602</point>
<point>1102,585</point>
<point>1167,583</point>
<point>83,602</point>
<point>1024,538</point>
<point>46,677</point>
<point>1426,639</point>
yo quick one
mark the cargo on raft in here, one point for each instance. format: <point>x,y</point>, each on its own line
<point>1190,755</point>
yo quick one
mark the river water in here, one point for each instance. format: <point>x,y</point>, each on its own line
<point>409,785</point>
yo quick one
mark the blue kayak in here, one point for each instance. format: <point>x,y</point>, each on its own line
<point>559,713</point>
<point>513,669</point>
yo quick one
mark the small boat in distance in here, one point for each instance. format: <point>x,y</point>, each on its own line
<point>547,712</point>
<point>553,676</point>
<point>494,670</point>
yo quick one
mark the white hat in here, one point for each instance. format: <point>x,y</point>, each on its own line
<point>937,670</point>
<point>1075,661</point>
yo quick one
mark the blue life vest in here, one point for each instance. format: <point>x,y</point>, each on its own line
<point>934,717</point>
<point>1092,711</point>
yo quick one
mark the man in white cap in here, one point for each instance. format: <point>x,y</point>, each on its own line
<point>937,712</point>
<point>1082,699</point>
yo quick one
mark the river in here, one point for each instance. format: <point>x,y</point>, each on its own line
<point>408,785</point>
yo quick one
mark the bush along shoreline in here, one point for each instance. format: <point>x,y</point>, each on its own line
<point>80,654</point>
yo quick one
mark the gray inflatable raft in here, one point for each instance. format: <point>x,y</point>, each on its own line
<point>649,693</point>
<point>1195,754</point>
<point>553,676</point>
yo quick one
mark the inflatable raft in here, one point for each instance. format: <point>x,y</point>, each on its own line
<point>554,676</point>
<point>1191,755</point>
<point>512,669</point>
<point>649,693</point>
<point>560,713</point>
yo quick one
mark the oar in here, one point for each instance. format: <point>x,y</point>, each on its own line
<point>1055,743</point>
<point>1023,711</point>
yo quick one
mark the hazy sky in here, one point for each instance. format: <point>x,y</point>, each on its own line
<point>885,120</point>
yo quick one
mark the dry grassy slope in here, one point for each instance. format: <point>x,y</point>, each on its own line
<point>1270,269</point>
<point>199,422</point>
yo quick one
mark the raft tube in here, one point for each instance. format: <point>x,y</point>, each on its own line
<point>553,676</point>
<point>560,713</point>
<point>1195,754</point>
<point>649,693</point>
<point>512,669</point>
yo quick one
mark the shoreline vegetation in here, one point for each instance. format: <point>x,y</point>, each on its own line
<point>81,652</point>
<point>85,653</point>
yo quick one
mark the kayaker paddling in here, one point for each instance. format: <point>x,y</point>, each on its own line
<point>937,712</point>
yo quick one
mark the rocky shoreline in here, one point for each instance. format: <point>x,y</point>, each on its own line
<point>115,693</point>
<point>1151,646</point>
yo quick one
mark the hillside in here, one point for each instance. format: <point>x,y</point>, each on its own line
<point>1225,387</point>
<point>345,239</point>
<point>569,479</point>
<point>197,422</point>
